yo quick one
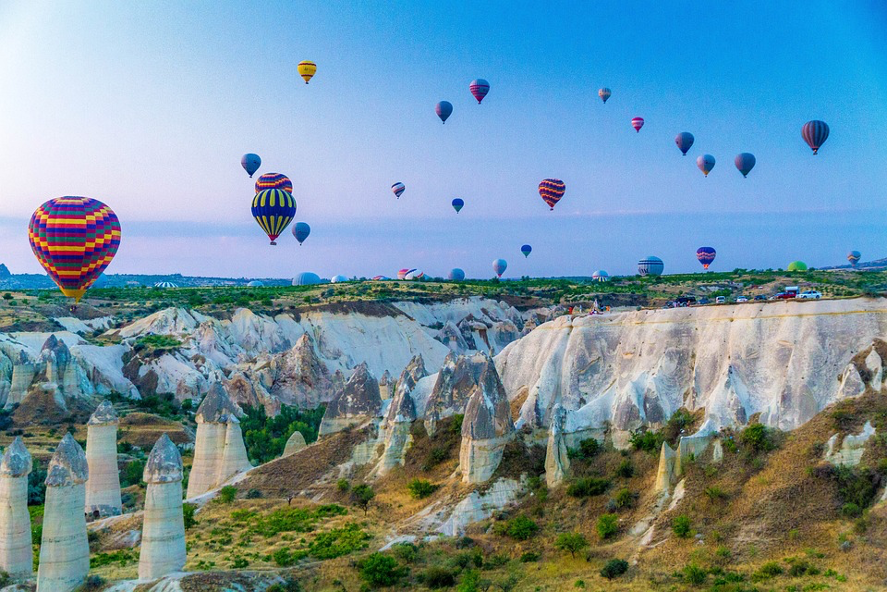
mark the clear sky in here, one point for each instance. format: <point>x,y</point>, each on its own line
<point>149,106</point>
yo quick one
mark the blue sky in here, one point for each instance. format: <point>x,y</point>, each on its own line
<point>148,107</point>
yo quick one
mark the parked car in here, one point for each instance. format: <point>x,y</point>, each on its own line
<point>785,295</point>
<point>703,301</point>
<point>742,299</point>
<point>721,300</point>
<point>810,294</point>
<point>760,297</point>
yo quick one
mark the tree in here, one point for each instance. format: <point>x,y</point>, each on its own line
<point>420,488</point>
<point>607,525</point>
<point>380,570</point>
<point>614,568</point>
<point>681,526</point>
<point>361,495</point>
<point>571,542</point>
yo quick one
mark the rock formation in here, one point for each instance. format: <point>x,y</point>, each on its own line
<point>665,473</point>
<point>455,383</point>
<point>23,372</point>
<point>557,460</point>
<point>299,377</point>
<point>357,403</point>
<point>486,428</point>
<point>213,455</point>
<point>64,549</point>
<point>852,447</point>
<point>294,444</point>
<point>16,553</point>
<point>384,385</point>
<point>234,456</point>
<point>244,392</point>
<point>163,529</point>
<point>103,486</point>
<point>400,416</point>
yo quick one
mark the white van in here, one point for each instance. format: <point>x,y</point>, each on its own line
<point>720,300</point>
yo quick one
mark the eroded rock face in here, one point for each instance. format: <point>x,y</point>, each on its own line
<point>851,449</point>
<point>486,428</point>
<point>294,444</point>
<point>163,529</point>
<point>557,460</point>
<point>401,413</point>
<point>244,392</point>
<point>455,383</point>
<point>103,486</point>
<point>68,466</point>
<point>219,451</point>
<point>16,553</point>
<point>357,403</point>
<point>300,378</point>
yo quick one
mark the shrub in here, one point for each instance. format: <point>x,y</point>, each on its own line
<point>380,570</point>
<point>693,574</point>
<point>614,568</point>
<point>338,542</point>
<point>587,449</point>
<point>607,525</point>
<point>253,493</point>
<point>406,552</point>
<point>521,528</point>
<point>588,487</point>
<point>530,557</point>
<point>227,494</point>
<point>625,469</point>
<point>681,526</point>
<point>624,498</point>
<point>287,557</point>
<point>420,488</point>
<point>343,485</point>
<point>851,509</point>
<point>472,581</point>
<point>856,485</point>
<point>361,495</point>
<point>132,473</point>
<point>757,437</point>
<point>438,577</point>
<point>571,542</point>
<point>188,510</point>
<point>265,438</point>
<point>768,570</point>
<point>645,440</point>
<point>715,493</point>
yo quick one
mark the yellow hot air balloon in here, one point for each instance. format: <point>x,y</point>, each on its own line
<point>307,70</point>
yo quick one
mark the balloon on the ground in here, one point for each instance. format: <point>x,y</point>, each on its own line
<point>526,250</point>
<point>457,204</point>
<point>274,181</point>
<point>456,275</point>
<point>684,140</point>
<point>306,278</point>
<point>398,188</point>
<point>815,133</point>
<point>255,284</point>
<point>637,123</point>
<point>74,239</point>
<point>706,255</point>
<point>745,162</point>
<point>651,266</point>
<point>479,88</point>
<point>797,266</point>
<point>443,110</point>
<point>499,266</point>
<point>307,69</point>
<point>604,94</point>
<point>401,274</point>
<point>600,276</point>
<point>274,210</point>
<point>165,285</point>
<point>706,163</point>
<point>301,230</point>
<point>853,257</point>
<point>339,278</point>
<point>250,163</point>
<point>381,278</point>
<point>552,190</point>
<point>414,274</point>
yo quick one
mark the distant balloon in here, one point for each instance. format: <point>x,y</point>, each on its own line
<point>443,110</point>
<point>499,266</point>
<point>165,284</point>
<point>552,190</point>
<point>456,274</point>
<point>414,274</point>
<point>706,255</point>
<point>381,278</point>
<point>651,266</point>
<point>307,69</point>
<point>600,276</point>
<point>74,239</point>
<point>457,204</point>
<point>526,250</point>
<point>398,188</point>
<point>255,284</point>
<point>401,274</point>
<point>274,181</point>
<point>479,88</point>
<point>745,162</point>
<point>301,230</point>
<point>274,210</point>
<point>706,163</point>
<point>684,140</point>
<point>853,257</point>
<point>815,133</point>
<point>797,266</point>
<point>604,94</point>
<point>339,278</point>
<point>306,278</point>
<point>251,163</point>
<point>637,123</point>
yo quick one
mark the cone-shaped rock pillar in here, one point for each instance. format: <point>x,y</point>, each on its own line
<point>486,428</point>
<point>163,530</point>
<point>16,553</point>
<point>557,460</point>
<point>209,445</point>
<point>294,444</point>
<point>64,550</point>
<point>234,457</point>
<point>358,402</point>
<point>103,486</point>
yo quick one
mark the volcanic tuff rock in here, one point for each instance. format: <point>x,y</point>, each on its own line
<point>299,377</point>
<point>103,486</point>
<point>557,460</point>
<point>218,446</point>
<point>453,387</point>
<point>244,392</point>
<point>486,428</point>
<point>399,417</point>
<point>357,403</point>
<point>16,553</point>
<point>294,444</point>
<point>163,529</point>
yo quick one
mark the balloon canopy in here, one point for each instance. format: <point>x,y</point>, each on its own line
<point>600,276</point>
<point>456,275</point>
<point>797,266</point>
<point>853,257</point>
<point>274,210</point>
<point>706,255</point>
<point>306,278</point>
<point>479,89</point>
<point>815,133</point>
<point>255,284</point>
<point>551,191</point>
<point>306,70</point>
<point>443,110</point>
<point>637,123</point>
<point>526,250</point>
<point>339,278</point>
<point>458,203</point>
<point>499,266</point>
<point>745,162</point>
<point>651,266</point>
<point>301,230</point>
<point>274,181</point>
<point>684,141</point>
<point>250,163</point>
<point>604,94</point>
<point>706,163</point>
<point>398,188</point>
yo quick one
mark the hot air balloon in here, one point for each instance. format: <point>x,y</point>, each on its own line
<point>274,181</point>
<point>307,69</point>
<point>637,123</point>
<point>526,250</point>
<point>706,163</point>
<point>600,276</point>
<point>797,266</point>
<point>604,94</point>
<point>301,230</point>
<point>398,188</point>
<point>414,274</point>
<point>74,239</point>
<point>306,278</point>
<point>552,190</point>
<point>456,275</point>
<point>255,284</point>
<point>380,277</point>
<point>815,133</point>
<point>745,162</point>
<point>274,209</point>
<point>401,274</point>
<point>499,266</point>
<point>479,88</point>
<point>457,204</point>
<point>443,110</point>
<point>251,163</point>
<point>853,257</point>
<point>165,285</point>
<point>339,278</point>
<point>684,140</point>
<point>651,266</point>
<point>706,255</point>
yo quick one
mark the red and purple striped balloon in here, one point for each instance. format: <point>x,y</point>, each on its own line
<point>274,181</point>
<point>637,123</point>
<point>815,133</point>
<point>552,190</point>
<point>479,88</point>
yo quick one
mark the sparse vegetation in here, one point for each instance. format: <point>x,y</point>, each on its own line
<point>583,487</point>
<point>607,525</point>
<point>614,568</point>
<point>419,488</point>
<point>571,542</point>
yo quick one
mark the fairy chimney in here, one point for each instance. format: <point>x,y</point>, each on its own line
<point>16,553</point>
<point>103,486</point>
<point>234,456</point>
<point>163,528</point>
<point>212,435</point>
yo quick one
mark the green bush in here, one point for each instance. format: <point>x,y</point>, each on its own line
<point>406,552</point>
<point>625,469</point>
<point>227,494</point>
<point>645,440</point>
<point>521,528</point>
<point>343,485</point>
<point>607,525</point>
<point>132,473</point>
<point>614,568</point>
<point>420,488</point>
<point>693,574</point>
<point>338,542</point>
<point>158,342</point>
<point>188,510</point>
<point>530,557</point>
<point>571,542</point>
<point>588,487</point>
<point>287,557</point>
<point>758,438</point>
<point>767,571</point>
<point>851,509</point>
<point>587,449</point>
<point>380,570</point>
<point>472,581</point>
<point>265,438</point>
<point>624,498</point>
<point>681,526</point>
<point>439,577</point>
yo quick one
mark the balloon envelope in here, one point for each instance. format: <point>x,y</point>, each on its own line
<point>274,181</point>
<point>306,278</point>
<point>637,123</point>
<point>604,94</point>
<point>339,278</point>
<point>479,88</point>
<point>443,110</point>
<point>301,230</point>
<point>274,210</point>
<point>797,266</point>
<point>684,140</point>
<point>552,190</point>
<point>398,188</point>
<point>706,255</point>
<point>651,266</point>
<point>255,284</point>
<point>745,162</point>
<point>499,266</point>
<point>306,70</point>
<point>600,276</point>
<point>706,163</point>
<point>74,239</point>
<point>401,274</point>
<point>526,250</point>
<point>165,285</point>
<point>456,274</point>
<point>853,257</point>
<point>457,204</point>
<point>251,163</point>
<point>815,133</point>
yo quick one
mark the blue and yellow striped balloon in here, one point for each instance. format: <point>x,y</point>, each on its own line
<point>274,209</point>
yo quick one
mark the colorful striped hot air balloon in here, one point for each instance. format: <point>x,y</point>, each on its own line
<point>307,69</point>
<point>457,204</point>
<point>600,276</point>
<point>274,181</point>
<point>443,110</point>
<point>398,188</point>
<point>74,239</point>
<point>250,163</point>
<point>499,266</point>
<point>301,230</point>
<point>274,209</point>
<point>745,162</point>
<point>815,133</point>
<point>552,190</point>
<point>684,140</point>
<point>853,257</point>
<point>706,163</point>
<point>479,88</point>
<point>637,123</point>
<point>401,274</point>
<point>706,255</point>
<point>604,94</point>
<point>526,250</point>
